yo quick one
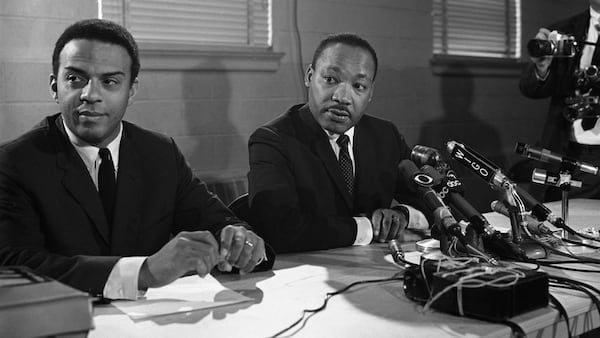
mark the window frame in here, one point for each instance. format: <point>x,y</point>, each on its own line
<point>445,64</point>
<point>196,56</point>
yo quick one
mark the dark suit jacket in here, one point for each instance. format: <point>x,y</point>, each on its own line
<point>298,199</point>
<point>51,216</point>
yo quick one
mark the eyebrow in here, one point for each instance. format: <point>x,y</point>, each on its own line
<point>338,70</point>
<point>75,69</point>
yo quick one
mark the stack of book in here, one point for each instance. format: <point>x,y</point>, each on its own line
<point>32,306</point>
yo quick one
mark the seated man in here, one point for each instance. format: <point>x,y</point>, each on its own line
<point>323,175</point>
<point>100,203</point>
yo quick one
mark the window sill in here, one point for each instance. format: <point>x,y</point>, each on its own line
<point>164,56</point>
<point>466,65</point>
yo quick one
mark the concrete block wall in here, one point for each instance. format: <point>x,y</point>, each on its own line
<point>212,113</point>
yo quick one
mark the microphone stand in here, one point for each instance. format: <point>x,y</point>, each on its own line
<point>564,183</point>
<point>518,223</point>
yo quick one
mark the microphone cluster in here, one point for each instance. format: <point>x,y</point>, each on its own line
<point>427,174</point>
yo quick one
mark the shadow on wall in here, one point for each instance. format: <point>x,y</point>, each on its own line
<point>460,123</point>
<point>214,141</point>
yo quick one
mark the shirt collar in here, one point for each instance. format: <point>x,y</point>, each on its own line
<point>334,136</point>
<point>594,15</point>
<point>89,153</point>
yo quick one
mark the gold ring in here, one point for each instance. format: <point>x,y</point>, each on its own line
<point>248,243</point>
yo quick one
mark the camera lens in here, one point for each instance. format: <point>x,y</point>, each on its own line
<point>537,48</point>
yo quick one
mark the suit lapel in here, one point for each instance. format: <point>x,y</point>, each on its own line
<point>77,181</point>
<point>129,195</point>
<point>320,143</point>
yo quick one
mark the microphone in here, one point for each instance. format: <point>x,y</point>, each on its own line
<point>546,155</point>
<point>492,174</point>
<point>460,204</point>
<point>492,238</point>
<point>542,176</point>
<point>423,155</point>
<point>451,187</point>
<point>539,210</point>
<point>533,224</point>
<point>478,164</point>
<point>397,252</point>
<point>421,183</point>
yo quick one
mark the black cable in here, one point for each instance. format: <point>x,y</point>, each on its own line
<point>517,330</point>
<point>570,286</point>
<point>580,243</point>
<point>574,281</point>
<point>574,269</point>
<point>573,232</point>
<point>574,261</point>
<point>395,277</point>
<point>563,312</point>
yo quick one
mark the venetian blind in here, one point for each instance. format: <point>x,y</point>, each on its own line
<point>204,22</point>
<point>483,28</point>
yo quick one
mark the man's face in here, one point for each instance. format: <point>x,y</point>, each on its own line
<point>93,88</point>
<point>340,86</point>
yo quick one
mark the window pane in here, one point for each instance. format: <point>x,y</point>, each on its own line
<point>208,22</point>
<point>487,28</point>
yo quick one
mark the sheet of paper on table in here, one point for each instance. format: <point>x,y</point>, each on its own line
<point>186,294</point>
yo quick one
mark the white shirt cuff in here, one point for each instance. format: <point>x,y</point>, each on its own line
<point>416,219</point>
<point>364,231</point>
<point>122,282</point>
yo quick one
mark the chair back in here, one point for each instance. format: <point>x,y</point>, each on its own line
<point>241,208</point>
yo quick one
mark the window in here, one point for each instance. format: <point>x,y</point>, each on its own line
<point>480,28</point>
<point>198,34</point>
<point>216,22</point>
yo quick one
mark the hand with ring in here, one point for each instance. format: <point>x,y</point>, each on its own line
<point>387,224</point>
<point>241,248</point>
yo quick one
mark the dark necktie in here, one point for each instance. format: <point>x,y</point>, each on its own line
<point>346,162</point>
<point>590,122</point>
<point>107,184</point>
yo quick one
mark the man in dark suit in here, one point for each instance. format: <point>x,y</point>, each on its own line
<point>102,204</point>
<point>555,77</point>
<point>308,190</point>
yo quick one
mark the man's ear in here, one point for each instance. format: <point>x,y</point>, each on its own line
<point>53,87</point>
<point>132,91</point>
<point>308,75</point>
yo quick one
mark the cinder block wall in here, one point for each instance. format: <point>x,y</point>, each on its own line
<point>212,113</point>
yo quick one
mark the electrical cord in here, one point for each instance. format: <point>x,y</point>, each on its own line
<point>563,313</point>
<point>328,296</point>
<point>580,243</point>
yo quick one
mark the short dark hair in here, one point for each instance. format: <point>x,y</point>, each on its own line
<point>99,30</point>
<point>346,39</point>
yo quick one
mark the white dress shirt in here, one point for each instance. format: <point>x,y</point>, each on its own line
<point>122,283</point>
<point>364,228</point>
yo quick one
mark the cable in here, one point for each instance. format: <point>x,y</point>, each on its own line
<point>395,277</point>
<point>562,311</point>
<point>580,243</point>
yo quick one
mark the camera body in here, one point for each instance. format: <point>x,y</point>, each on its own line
<point>557,45</point>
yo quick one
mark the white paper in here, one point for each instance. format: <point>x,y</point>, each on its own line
<point>183,295</point>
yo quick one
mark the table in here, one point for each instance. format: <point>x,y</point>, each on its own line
<point>301,281</point>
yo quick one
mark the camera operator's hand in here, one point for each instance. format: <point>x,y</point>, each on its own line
<point>542,63</point>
